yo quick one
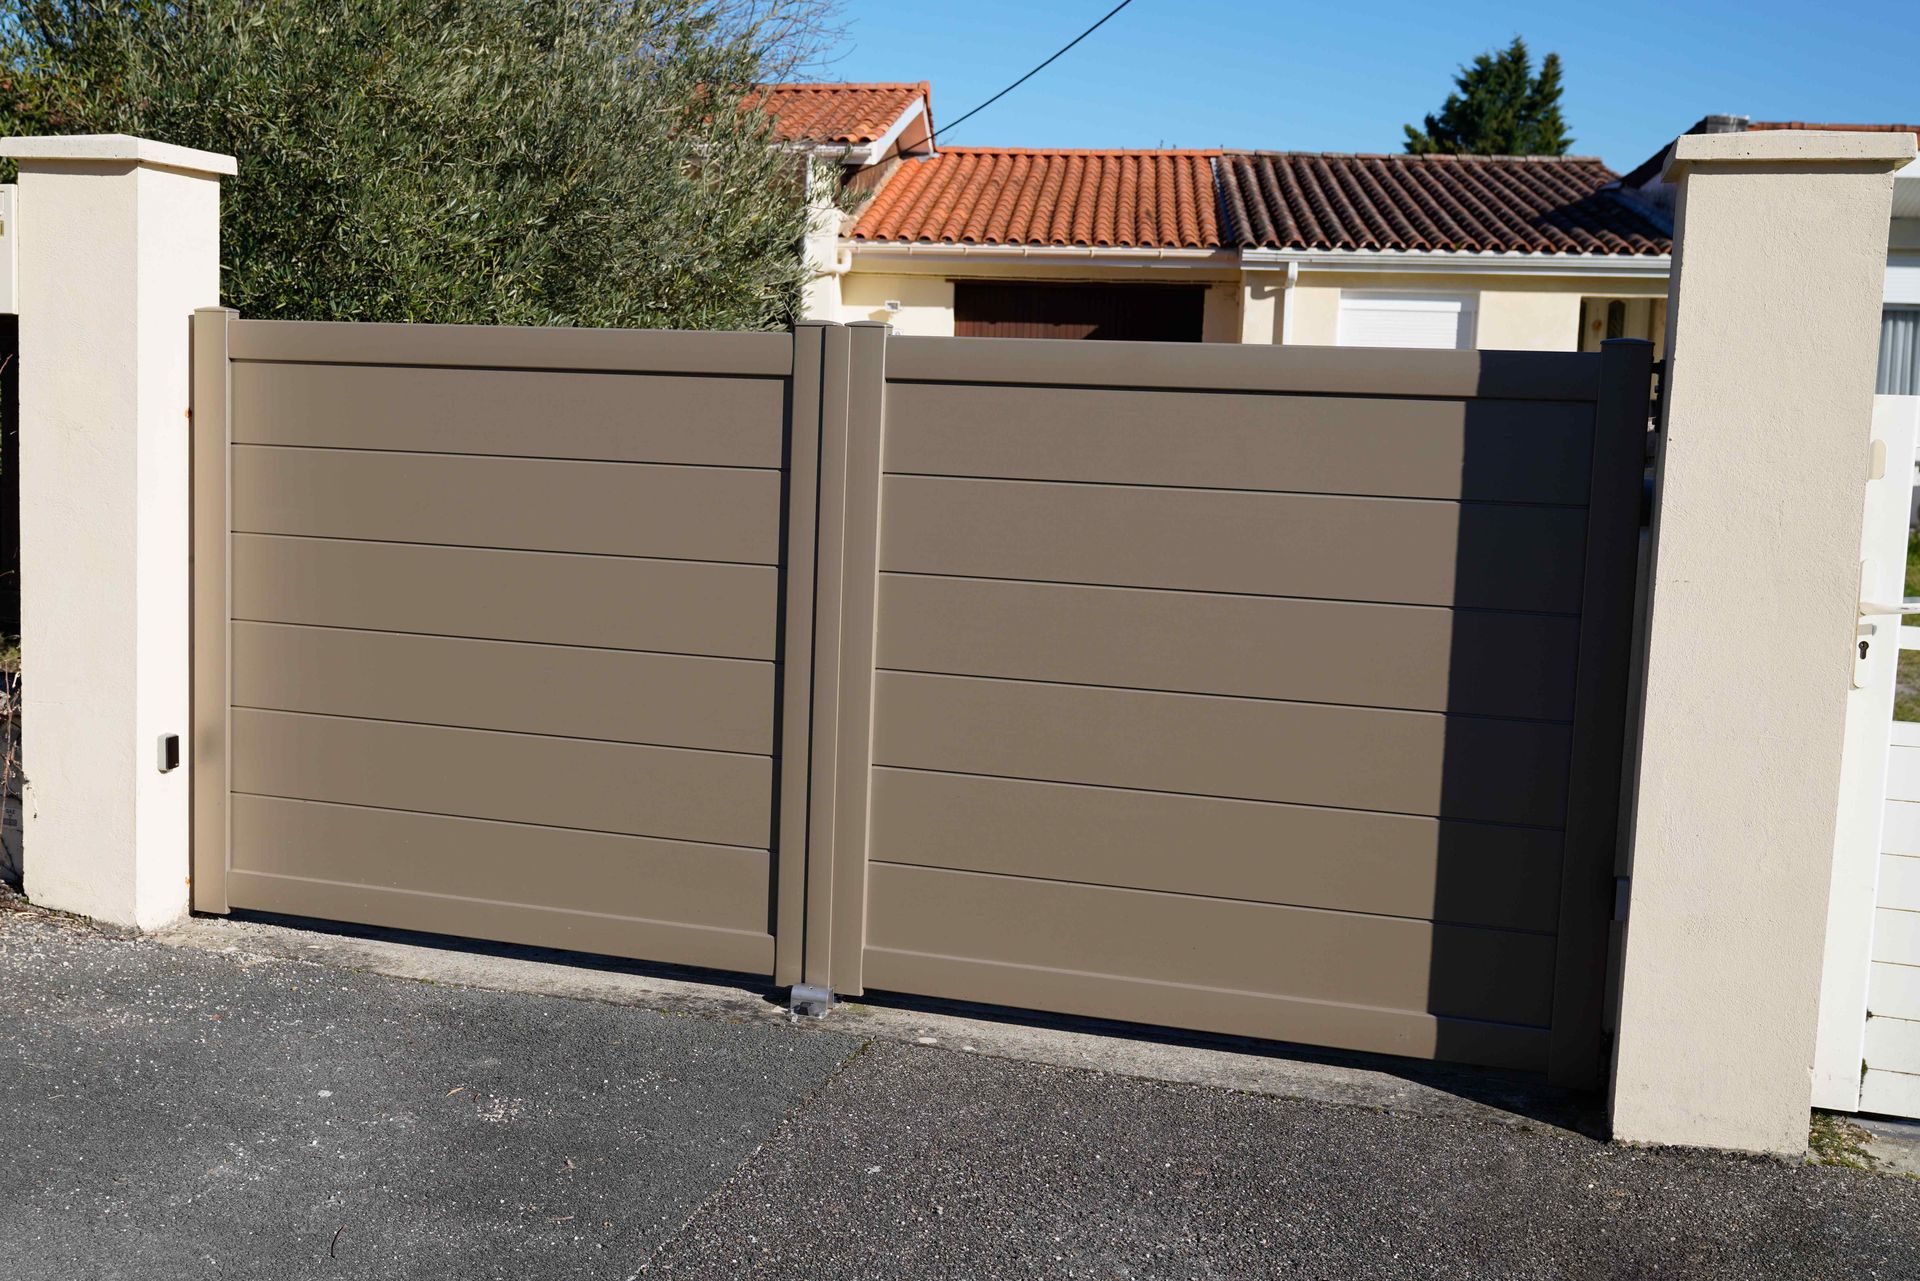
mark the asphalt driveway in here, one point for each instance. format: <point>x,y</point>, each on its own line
<point>172,1113</point>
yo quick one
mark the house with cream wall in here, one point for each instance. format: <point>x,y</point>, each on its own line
<point>1537,253</point>
<point>1899,356</point>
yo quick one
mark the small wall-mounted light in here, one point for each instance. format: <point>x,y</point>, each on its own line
<point>169,753</point>
<point>892,304</point>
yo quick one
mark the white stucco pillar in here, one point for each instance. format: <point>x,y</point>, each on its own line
<point>1781,247</point>
<point>820,251</point>
<point>119,243</point>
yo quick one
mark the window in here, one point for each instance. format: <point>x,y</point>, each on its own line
<point>1369,318</point>
<point>1899,352</point>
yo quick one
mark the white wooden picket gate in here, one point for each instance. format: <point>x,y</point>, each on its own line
<point>1868,1056</point>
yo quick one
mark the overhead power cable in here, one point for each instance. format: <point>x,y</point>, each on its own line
<point>1037,70</point>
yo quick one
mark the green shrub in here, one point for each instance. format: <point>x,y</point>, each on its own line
<point>544,162</point>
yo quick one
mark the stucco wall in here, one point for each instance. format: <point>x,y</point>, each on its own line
<point>119,243</point>
<point>1515,313</point>
<point>1761,485</point>
<point>926,302</point>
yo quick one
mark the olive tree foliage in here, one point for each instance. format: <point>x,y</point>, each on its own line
<point>542,162</point>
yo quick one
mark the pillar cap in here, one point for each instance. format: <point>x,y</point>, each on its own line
<point>118,148</point>
<point>1789,148</point>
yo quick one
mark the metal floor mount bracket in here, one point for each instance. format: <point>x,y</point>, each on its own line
<point>809,1000</point>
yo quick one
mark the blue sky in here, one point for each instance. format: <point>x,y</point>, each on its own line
<point>1334,77</point>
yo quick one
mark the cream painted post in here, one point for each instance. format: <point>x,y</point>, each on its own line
<point>9,250</point>
<point>820,250</point>
<point>1780,248</point>
<point>119,243</point>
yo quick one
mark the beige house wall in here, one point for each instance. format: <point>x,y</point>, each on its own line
<point>926,302</point>
<point>1514,313</point>
<point>925,291</point>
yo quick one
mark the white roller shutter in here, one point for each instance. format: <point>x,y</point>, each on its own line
<point>1375,319</point>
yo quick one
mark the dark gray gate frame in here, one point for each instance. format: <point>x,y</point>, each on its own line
<point>1598,779</point>
<point>830,581</point>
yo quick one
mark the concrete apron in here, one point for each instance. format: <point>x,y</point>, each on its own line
<point>1292,1072</point>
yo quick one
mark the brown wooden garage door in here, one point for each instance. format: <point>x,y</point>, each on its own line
<point>1138,313</point>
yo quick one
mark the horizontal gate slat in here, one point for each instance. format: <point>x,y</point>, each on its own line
<point>506,922</point>
<point>1893,991</point>
<point>1269,647</point>
<point>1346,957</point>
<point>734,422</point>
<point>721,887</point>
<point>1233,1013</point>
<point>671,700</point>
<point>1527,451</point>
<point>669,792</point>
<point>1357,371</point>
<point>1358,758</point>
<point>513,347</point>
<point>1896,936</point>
<point>622,509</point>
<point>1402,551</point>
<point>1386,864</point>
<point>683,607</point>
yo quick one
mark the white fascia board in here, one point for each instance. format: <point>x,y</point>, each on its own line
<point>1077,255</point>
<point>1906,191</point>
<point>884,143</point>
<point>1637,266</point>
<point>866,153</point>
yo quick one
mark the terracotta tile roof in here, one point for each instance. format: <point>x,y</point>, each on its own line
<point>1014,196</point>
<point>853,114</point>
<point>1213,200</point>
<point>1475,204</point>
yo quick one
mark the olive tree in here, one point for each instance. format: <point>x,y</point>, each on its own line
<point>548,162</point>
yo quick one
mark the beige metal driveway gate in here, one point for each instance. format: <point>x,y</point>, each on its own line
<point>488,630</point>
<point>1276,692</point>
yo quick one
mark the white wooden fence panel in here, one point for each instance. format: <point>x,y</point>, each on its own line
<point>1896,937</point>
<point>1893,991</point>
<point>1900,881</point>
<point>1903,773</point>
<point>1894,1093</point>
<point>1892,1041</point>
<point>1902,832</point>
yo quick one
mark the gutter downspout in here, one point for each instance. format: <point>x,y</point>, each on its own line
<point>1286,303</point>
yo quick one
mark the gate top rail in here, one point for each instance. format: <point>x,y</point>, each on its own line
<point>664,351</point>
<point>1338,371</point>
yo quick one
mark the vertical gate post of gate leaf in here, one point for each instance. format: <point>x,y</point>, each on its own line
<point>852,390</point>
<point>1780,251</point>
<point>119,244</point>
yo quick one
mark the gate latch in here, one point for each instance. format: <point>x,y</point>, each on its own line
<point>1874,620</point>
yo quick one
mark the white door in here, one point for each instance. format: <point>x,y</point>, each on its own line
<point>1872,959</point>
